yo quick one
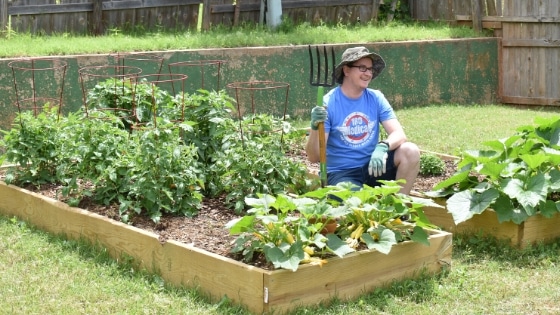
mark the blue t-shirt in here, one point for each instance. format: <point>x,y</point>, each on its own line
<point>353,127</point>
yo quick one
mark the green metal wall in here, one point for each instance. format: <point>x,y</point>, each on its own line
<point>463,71</point>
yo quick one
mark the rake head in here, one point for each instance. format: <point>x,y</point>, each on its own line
<point>323,65</point>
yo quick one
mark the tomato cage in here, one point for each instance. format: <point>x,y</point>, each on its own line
<point>149,63</point>
<point>109,89</point>
<point>203,74</point>
<point>254,98</point>
<point>158,95</point>
<point>50,73</point>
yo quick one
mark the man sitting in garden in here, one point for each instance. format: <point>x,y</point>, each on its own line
<point>352,113</point>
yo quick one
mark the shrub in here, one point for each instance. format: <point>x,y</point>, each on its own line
<point>431,164</point>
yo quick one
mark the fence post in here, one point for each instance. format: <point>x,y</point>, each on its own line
<point>3,15</point>
<point>96,26</point>
<point>476,15</point>
<point>391,13</point>
<point>491,6</point>
<point>206,17</point>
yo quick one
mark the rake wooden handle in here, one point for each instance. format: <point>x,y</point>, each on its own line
<point>322,154</point>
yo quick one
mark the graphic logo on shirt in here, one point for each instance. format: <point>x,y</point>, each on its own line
<point>356,129</point>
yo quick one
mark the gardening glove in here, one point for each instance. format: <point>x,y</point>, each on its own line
<point>318,115</point>
<point>378,160</point>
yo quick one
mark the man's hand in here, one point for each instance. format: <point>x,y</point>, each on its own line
<point>378,160</point>
<point>318,115</point>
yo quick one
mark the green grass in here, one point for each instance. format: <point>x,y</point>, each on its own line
<point>20,45</point>
<point>44,274</point>
<point>450,129</point>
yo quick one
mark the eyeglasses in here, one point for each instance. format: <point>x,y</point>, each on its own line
<point>362,68</point>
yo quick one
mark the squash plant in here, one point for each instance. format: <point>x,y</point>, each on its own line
<point>517,177</point>
<point>281,227</point>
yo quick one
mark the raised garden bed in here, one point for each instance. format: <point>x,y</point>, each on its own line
<point>535,229</point>
<point>258,289</point>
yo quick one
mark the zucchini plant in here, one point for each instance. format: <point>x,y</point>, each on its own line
<point>283,229</point>
<point>517,176</point>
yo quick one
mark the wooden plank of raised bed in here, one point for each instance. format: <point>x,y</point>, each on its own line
<point>177,263</point>
<point>486,222</point>
<point>351,276</point>
<point>539,228</point>
<point>216,275</point>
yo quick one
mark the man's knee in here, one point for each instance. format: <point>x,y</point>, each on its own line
<point>407,152</point>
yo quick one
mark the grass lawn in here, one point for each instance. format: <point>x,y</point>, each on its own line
<point>46,274</point>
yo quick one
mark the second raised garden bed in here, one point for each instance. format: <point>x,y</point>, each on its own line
<point>260,290</point>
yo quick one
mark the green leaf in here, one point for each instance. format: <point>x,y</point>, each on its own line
<point>265,201</point>
<point>463,205</point>
<point>285,256</point>
<point>338,246</point>
<point>456,178</point>
<point>240,225</point>
<point>535,192</point>
<point>554,180</point>
<point>503,207</point>
<point>549,208</point>
<point>555,137</point>
<point>493,170</point>
<point>385,242</point>
<point>534,161</point>
<point>483,156</point>
<point>518,216</point>
<point>420,235</point>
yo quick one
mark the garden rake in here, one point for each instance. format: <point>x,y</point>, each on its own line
<point>320,82</point>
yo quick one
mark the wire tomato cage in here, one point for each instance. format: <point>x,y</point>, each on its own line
<point>260,97</point>
<point>108,89</point>
<point>149,63</point>
<point>31,96</point>
<point>158,95</point>
<point>202,73</point>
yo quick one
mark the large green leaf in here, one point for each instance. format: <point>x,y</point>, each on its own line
<point>528,194</point>
<point>518,216</point>
<point>285,256</point>
<point>555,137</point>
<point>264,201</point>
<point>484,156</point>
<point>492,169</point>
<point>456,178</point>
<point>385,241</point>
<point>553,155</point>
<point>338,246</point>
<point>503,207</point>
<point>463,205</point>
<point>534,161</point>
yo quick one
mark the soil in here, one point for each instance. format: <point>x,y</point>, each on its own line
<point>206,230</point>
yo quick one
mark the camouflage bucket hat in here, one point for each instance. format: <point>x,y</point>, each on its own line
<point>353,54</point>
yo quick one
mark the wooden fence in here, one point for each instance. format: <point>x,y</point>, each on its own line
<point>530,53</point>
<point>529,29</point>
<point>98,16</point>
